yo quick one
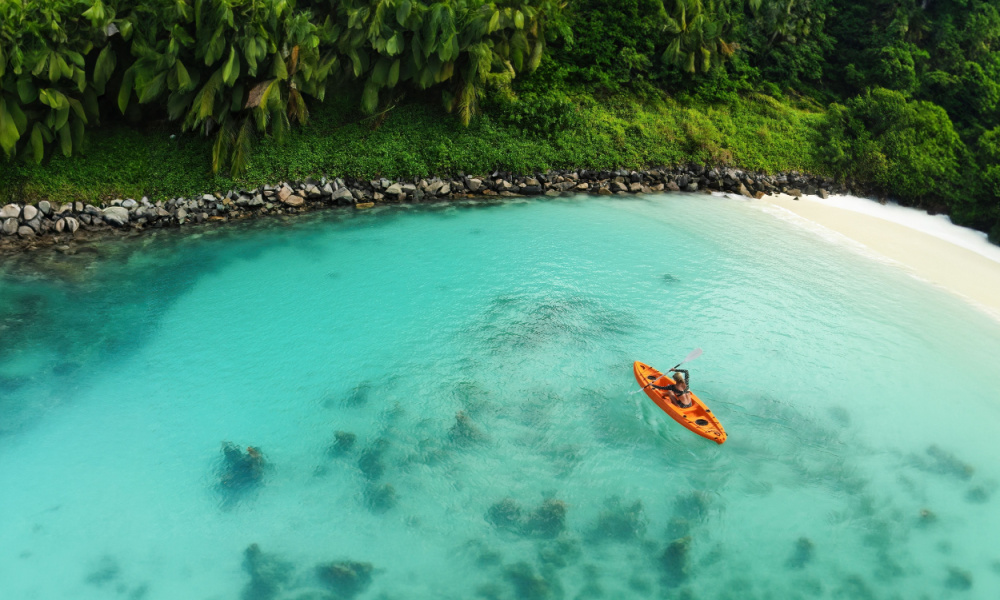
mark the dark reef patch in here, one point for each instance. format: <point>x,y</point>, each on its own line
<point>104,572</point>
<point>802,554</point>
<point>958,579</point>
<point>268,574</point>
<point>505,514</point>
<point>380,497</point>
<point>941,462</point>
<point>620,522</point>
<point>343,442</point>
<point>346,578</point>
<point>240,471</point>
<point>675,562</point>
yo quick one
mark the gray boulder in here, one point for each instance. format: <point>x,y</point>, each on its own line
<point>45,206</point>
<point>474,184</point>
<point>343,194</point>
<point>294,201</point>
<point>394,190</point>
<point>129,204</point>
<point>9,226</point>
<point>25,231</point>
<point>116,215</point>
<point>29,212</point>
<point>11,211</point>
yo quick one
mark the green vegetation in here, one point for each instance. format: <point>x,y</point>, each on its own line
<point>901,96</point>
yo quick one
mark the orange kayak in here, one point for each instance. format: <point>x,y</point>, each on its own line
<point>697,417</point>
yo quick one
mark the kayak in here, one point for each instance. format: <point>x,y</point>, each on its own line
<point>697,417</point>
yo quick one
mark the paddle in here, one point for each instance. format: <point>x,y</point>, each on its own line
<point>694,354</point>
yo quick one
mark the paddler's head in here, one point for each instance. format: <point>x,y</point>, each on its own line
<point>679,380</point>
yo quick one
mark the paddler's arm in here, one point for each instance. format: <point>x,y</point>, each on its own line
<point>687,376</point>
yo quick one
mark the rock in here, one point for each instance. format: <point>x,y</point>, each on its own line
<point>129,204</point>
<point>759,195</point>
<point>394,190</point>
<point>181,214</point>
<point>116,215</point>
<point>284,193</point>
<point>744,191</point>
<point>313,191</point>
<point>618,187</point>
<point>635,187</point>
<point>78,207</point>
<point>25,231</point>
<point>793,192</point>
<point>583,187</point>
<point>346,578</point>
<point>474,184</point>
<point>343,194</point>
<point>531,189</point>
<point>29,212</point>
<point>328,190</point>
<point>445,190</point>
<point>673,187</point>
<point>604,192</point>
<point>10,226</point>
<point>294,200</point>
<point>823,193</point>
<point>553,193</point>
<point>691,187</point>
<point>45,207</point>
<point>11,211</point>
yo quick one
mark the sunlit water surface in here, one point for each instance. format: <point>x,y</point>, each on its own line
<point>481,356</point>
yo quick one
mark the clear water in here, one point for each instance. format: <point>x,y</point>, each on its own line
<point>481,355</point>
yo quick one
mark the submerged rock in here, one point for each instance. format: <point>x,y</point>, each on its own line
<point>370,461</point>
<point>978,495</point>
<point>527,584</point>
<point>958,579</point>
<point>943,462</point>
<point>548,520</point>
<point>620,523</point>
<point>240,470</point>
<point>380,497</point>
<point>267,574</point>
<point>464,430</point>
<point>559,553</point>
<point>802,555</point>
<point>927,517</point>
<point>692,505</point>
<point>106,571</point>
<point>505,514</point>
<point>346,578</point>
<point>343,441</point>
<point>675,561</point>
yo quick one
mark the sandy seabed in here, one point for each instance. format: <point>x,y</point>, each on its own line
<point>932,248</point>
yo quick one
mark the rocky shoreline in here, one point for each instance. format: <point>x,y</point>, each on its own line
<point>25,227</point>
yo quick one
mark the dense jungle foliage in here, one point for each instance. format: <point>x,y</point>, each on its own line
<point>898,95</point>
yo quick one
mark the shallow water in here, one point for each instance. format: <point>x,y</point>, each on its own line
<point>481,356</point>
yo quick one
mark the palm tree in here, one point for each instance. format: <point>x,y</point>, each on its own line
<point>696,35</point>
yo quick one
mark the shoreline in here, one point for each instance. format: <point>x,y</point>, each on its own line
<point>26,227</point>
<point>931,248</point>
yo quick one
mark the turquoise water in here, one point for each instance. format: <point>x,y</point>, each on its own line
<point>481,356</point>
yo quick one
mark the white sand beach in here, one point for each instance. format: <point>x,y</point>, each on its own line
<point>930,247</point>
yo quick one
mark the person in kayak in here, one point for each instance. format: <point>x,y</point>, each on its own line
<point>679,389</point>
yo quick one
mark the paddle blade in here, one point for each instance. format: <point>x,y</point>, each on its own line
<point>694,354</point>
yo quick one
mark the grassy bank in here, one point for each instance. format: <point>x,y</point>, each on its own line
<point>417,139</point>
